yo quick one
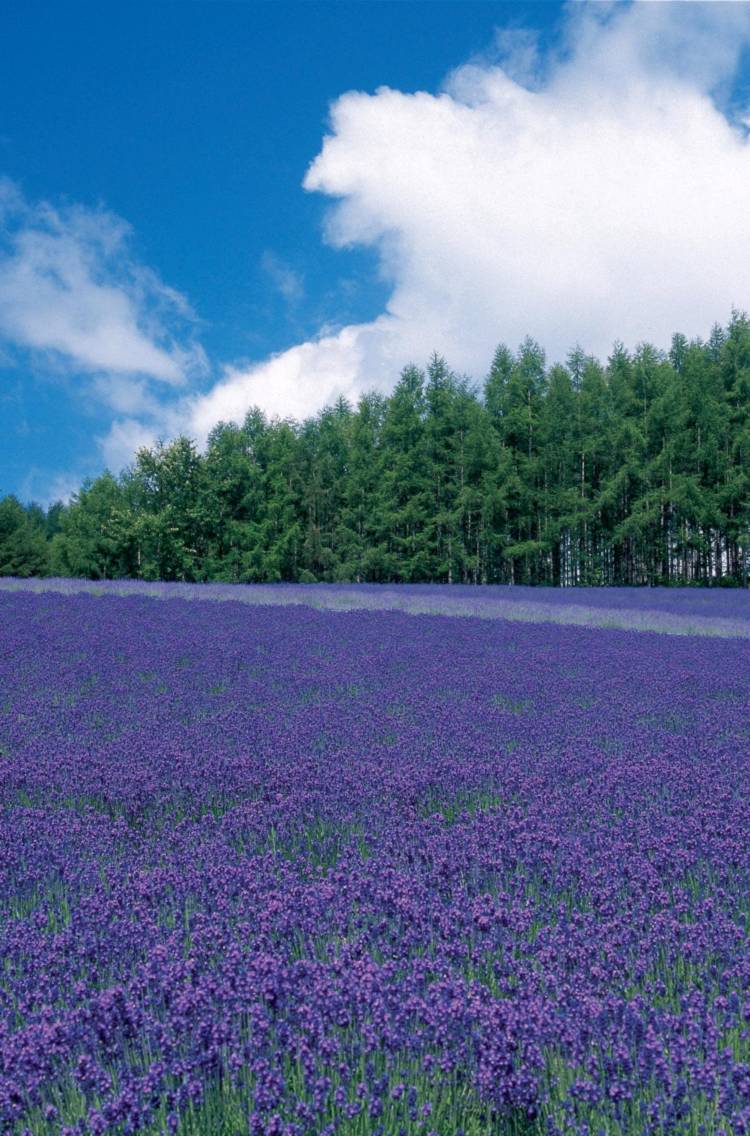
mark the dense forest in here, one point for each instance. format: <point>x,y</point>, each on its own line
<point>637,472</point>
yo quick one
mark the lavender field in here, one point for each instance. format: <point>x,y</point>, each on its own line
<point>674,611</point>
<point>278,870</point>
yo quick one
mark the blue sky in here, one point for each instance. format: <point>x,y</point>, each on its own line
<point>162,265</point>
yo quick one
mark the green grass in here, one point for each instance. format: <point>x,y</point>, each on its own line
<point>462,806</point>
<point>443,1103</point>
<point>510,705</point>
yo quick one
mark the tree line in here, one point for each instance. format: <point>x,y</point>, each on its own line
<point>630,473</point>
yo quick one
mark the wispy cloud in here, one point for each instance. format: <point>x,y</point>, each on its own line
<point>72,293</point>
<point>127,435</point>
<point>46,488</point>
<point>286,281</point>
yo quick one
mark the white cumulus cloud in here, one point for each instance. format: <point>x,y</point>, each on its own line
<point>597,193</point>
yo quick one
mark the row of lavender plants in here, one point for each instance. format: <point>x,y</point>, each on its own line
<point>674,611</point>
<point>281,872</point>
